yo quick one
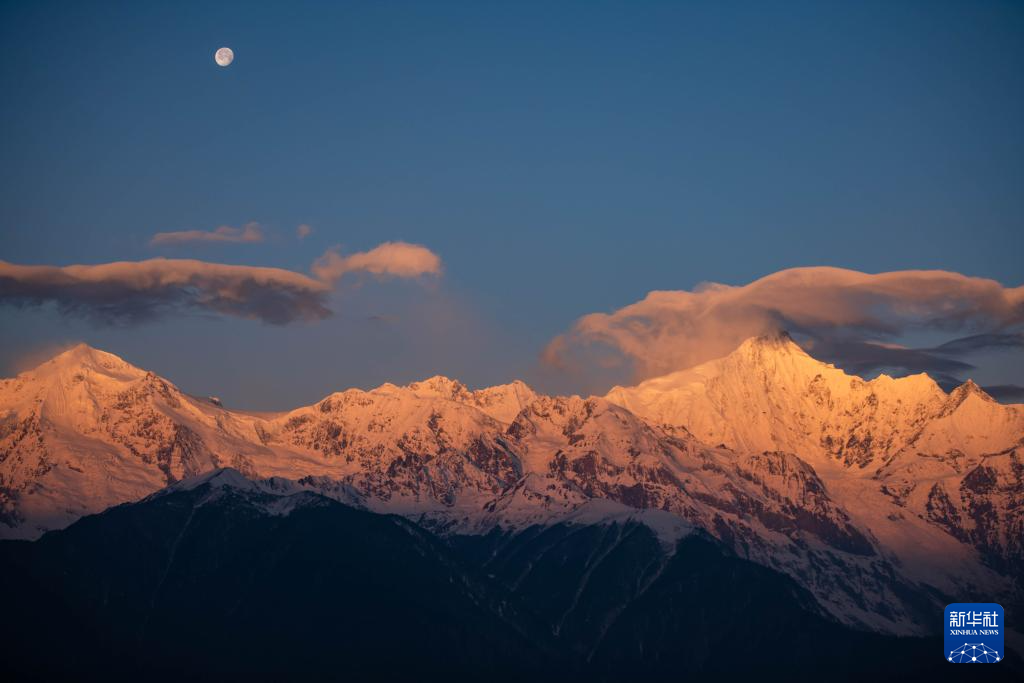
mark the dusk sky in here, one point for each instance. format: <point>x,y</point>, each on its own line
<point>524,165</point>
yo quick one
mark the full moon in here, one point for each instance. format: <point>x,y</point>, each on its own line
<point>224,56</point>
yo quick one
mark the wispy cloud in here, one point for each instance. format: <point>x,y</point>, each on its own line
<point>250,232</point>
<point>978,342</point>
<point>390,259</point>
<point>843,314</point>
<point>135,291</point>
<point>866,357</point>
<point>303,231</point>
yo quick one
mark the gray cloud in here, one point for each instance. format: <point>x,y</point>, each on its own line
<point>135,291</point>
<point>866,357</point>
<point>841,315</point>
<point>978,342</point>
<point>1006,393</point>
<point>130,292</point>
<point>251,232</point>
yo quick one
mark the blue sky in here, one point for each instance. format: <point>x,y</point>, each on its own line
<point>562,158</point>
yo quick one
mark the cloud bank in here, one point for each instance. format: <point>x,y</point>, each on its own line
<point>136,291</point>
<point>390,259</point>
<point>251,232</point>
<point>842,315</point>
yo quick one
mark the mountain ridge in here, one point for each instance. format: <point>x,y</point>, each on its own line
<point>222,577</point>
<point>86,430</point>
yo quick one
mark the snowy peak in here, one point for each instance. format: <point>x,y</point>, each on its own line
<point>231,478</point>
<point>86,430</point>
<point>83,358</point>
<point>769,394</point>
<point>766,363</point>
<point>502,402</point>
<point>774,359</point>
<point>76,385</point>
<point>441,387</point>
<point>778,342</point>
<point>82,353</point>
<point>925,449</point>
<point>224,477</point>
<point>966,391</point>
<point>273,496</point>
<point>776,352</point>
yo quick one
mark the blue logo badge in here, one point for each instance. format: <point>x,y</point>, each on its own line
<point>974,633</point>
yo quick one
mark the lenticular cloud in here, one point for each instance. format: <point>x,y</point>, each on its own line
<point>839,312</point>
<point>135,291</point>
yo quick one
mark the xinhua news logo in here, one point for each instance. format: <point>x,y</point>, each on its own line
<point>974,633</point>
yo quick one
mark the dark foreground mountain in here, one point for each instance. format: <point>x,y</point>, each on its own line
<point>221,577</point>
<point>225,579</point>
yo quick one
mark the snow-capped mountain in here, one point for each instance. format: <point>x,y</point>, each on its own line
<point>881,498</point>
<point>770,394</point>
<point>955,460</point>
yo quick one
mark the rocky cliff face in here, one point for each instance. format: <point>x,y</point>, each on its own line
<point>878,497</point>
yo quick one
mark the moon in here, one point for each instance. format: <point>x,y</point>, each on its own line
<point>224,56</point>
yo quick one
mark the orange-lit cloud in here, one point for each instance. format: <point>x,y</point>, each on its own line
<point>839,311</point>
<point>134,291</point>
<point>390,259</point>
<point>251,232</point>
<point>303,231</point>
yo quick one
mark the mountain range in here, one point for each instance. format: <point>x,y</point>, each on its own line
<point>879,500</point>
<point>221,577</point>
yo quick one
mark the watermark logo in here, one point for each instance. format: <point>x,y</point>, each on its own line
<point>974,633</point>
